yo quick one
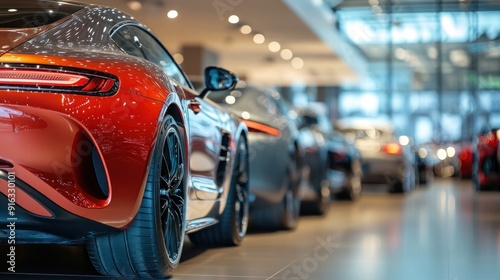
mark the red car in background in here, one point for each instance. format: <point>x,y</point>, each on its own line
<point>486,172</point>
<point>465,158</point>
<point>104,142</point>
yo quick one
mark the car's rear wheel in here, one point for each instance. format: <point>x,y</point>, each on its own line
<point>320,205</point>
<point>291,209</point>
<point>233,222</point>
<point>353,191</point>
<point>152,245</point>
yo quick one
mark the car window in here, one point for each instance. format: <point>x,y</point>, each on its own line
<point>138,42</point>
<point>368,133</point>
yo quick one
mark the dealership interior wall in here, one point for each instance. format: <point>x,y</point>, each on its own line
<point>430,66</point>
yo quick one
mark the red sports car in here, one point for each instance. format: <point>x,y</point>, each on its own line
<point>104,142</point>
<point>465,158</point>
<point>486,171</point>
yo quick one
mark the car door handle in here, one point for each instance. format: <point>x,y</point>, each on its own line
<point>195,106</point>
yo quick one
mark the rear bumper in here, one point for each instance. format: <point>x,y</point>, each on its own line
<point>27,216</point>
<point>383,170</point>
<point>91,161</point>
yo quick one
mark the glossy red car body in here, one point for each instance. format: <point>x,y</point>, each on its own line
<point>465,158</point>
<point>85,92</point>
<point>488,171</point>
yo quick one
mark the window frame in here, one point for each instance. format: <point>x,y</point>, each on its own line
<point>121,25</point>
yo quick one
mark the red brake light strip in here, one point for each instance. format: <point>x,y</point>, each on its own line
<point>258,127</point>
<point>41,78</point>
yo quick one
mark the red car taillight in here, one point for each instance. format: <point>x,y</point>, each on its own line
<point>57,80</point>
<point>392,149</point>
<point>262,128</point>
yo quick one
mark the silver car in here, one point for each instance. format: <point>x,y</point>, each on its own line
<point>387,158</point>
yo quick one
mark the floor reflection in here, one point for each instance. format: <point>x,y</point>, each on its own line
<point>443,231</point>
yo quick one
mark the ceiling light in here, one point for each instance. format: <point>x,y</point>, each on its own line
<point>246,29</point>
<point>274,46</point>
<point>172,14</point>
<point>230,99</point>
<point>286,54</point>
<point>179,58</point>
<point>245,115</point>
<point>297,63</point>
<point>259,39</point>
<point>134,5</point>
<point>12,10</point>
<point>233,19</point>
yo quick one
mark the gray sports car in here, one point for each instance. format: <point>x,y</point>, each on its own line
<point>387,159</point>
<point>274,151</point>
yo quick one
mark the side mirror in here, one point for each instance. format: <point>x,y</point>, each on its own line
<point>218,79</point>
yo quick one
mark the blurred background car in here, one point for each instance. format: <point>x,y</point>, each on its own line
<point>275,154</point>
<point>423,170</point>
<point>465,157</point>
<point>486,171</point>
<point>314,190</point>
<point>387,158</point>
<point>333,165</point>
<point>441,158</point>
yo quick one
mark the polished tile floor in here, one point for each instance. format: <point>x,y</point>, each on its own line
<point>442,232</point>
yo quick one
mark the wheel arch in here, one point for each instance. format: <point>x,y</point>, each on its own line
<point>172,106</point>
<point>241,132</point>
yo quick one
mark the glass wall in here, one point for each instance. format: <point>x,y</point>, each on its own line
<point>435,65</point>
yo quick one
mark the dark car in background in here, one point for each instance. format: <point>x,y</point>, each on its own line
<point>274,151</point>
<point>333,164</point>
<point>386,158</point>
<point>465,157</point>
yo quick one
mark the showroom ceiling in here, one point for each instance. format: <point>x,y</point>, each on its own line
<point>206,23</point>
<point>333,42</point>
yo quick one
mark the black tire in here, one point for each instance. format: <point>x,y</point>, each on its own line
<point>284,215</point>
<point>396,187</point>
<point>233,222</point>
<point>318,178</point>
<point>291,210</point>
<point>322,202</point>
<point>152,245</point>
<point>353,191</point>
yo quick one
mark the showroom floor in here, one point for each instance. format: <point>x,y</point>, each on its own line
<point>442,232</point>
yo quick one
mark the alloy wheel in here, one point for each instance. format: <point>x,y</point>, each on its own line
<point>172,193</point>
